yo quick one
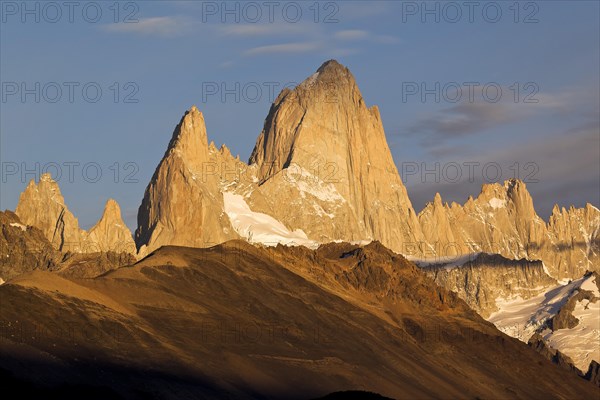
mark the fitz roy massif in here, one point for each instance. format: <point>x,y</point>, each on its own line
<point>303,272</point>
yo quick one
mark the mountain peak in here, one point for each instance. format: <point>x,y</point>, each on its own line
<point>333,67</point>
<point>516,190</point>
<point>47,184</point>
<point>335,77</point>
<point>332,63</point>
<point>111,208</point>
<point>182,204</point>
<point>332,83</point>
<point>190,139</point>
<point>45,187</point>
<point>324,125</point>
<point>309,118</point>
<point>47,177</point>
<point>110,232</point>
<point>514,184</point>
<point>43,206</point>
<point>511,188</point>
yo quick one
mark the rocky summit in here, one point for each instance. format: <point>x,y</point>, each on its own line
<point>183,204</point>
<point>322,152</point>
<point>503,220</point>
<point>42,205</point>
<point>327,149</point>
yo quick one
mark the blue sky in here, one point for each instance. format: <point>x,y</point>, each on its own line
<point>166,60</point>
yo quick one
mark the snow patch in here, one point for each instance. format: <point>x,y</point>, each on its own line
<point>363,242</point>
<point>313,185</point>
<point>496,203</point>
<point>522,318</point>
<point>320,212</point>
<point>546,271</point>
<point>261,228</point>
<point>17,225</point>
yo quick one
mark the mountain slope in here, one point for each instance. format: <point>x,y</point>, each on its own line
<point>483,280</point>
<point>23,248</point>
<point>567,317</point>
<point>284,322</point>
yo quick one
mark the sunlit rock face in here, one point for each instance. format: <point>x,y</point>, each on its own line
<point>502,220</point>
<point>42,205</point>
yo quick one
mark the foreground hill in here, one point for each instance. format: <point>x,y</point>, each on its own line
<point>236,321</point>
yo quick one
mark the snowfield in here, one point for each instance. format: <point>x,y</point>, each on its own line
<point>261,228</point>
<point>522,318</point>
<point>497,203</point>
<point>581,343</point>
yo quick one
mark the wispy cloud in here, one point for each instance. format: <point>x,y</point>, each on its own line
<point>474,117</point>
<point>301,47</point>
<point>169,26</point>
<point>562,164</point>
<point>562,167</point>
<point>351,34</point>
<point>363,35</point>
<point>465,119</point>
<point>266,29</point>
<point>336,44</point>
<point>571,155</point>
<point>303,37</point>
